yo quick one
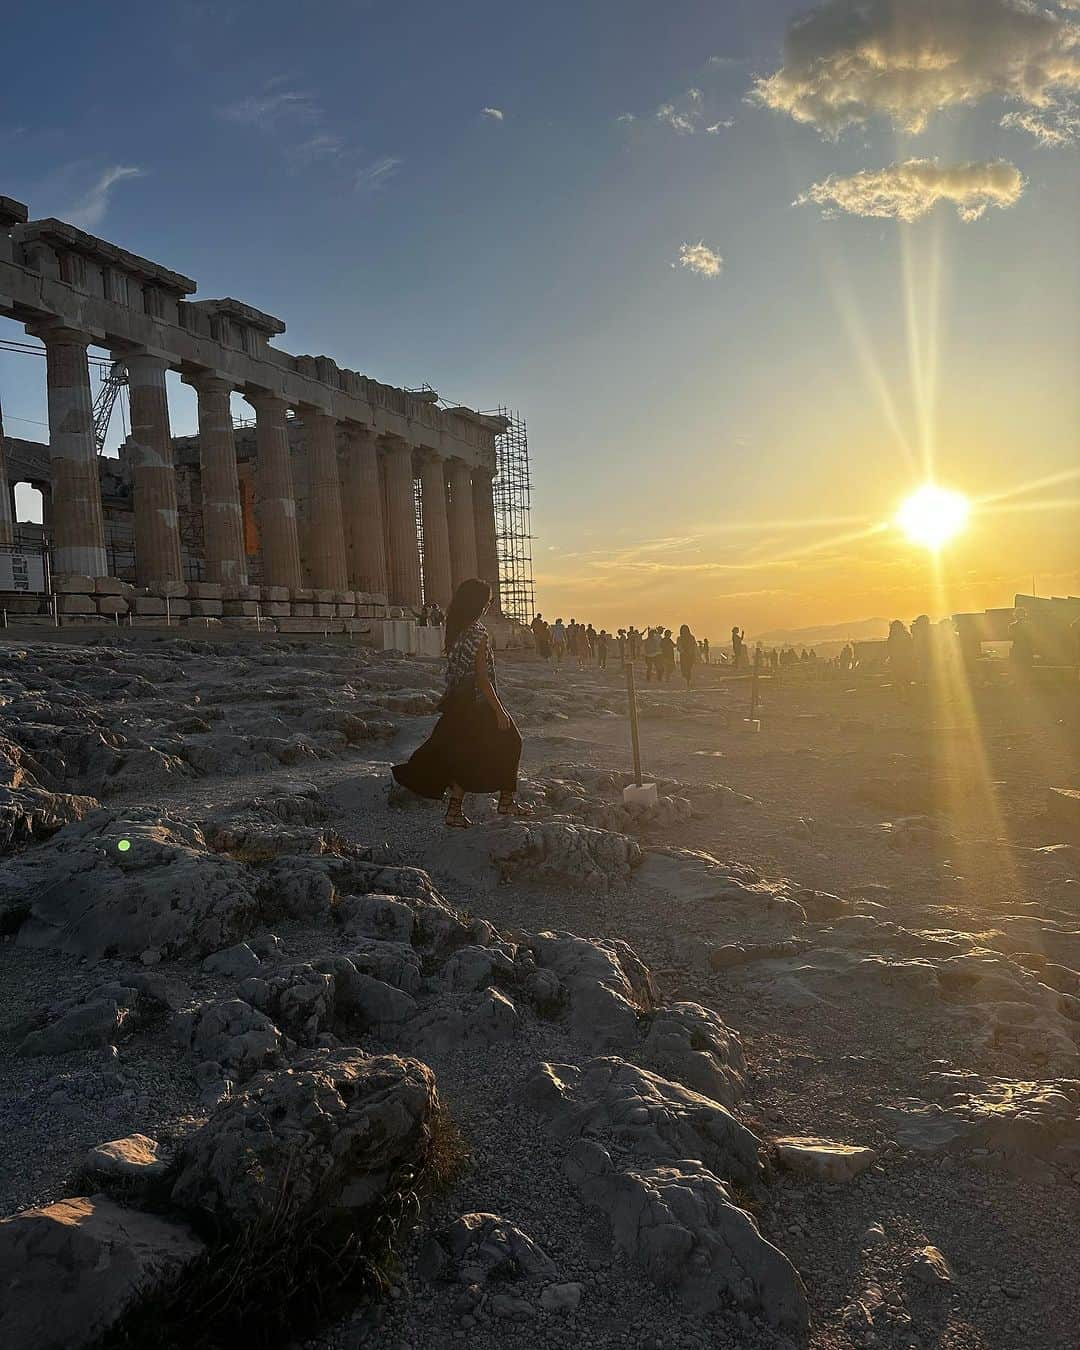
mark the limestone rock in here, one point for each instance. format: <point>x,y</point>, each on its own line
<point>98,1022</point>
<point>478,1247</point>
<point>686,876</point>
<point>646,1114</point>
<point>823,1159</point>
<point>692,1045</point>
<point>605,985</point>
<point>135,1161</point>
<point>680,1223</point>
<point>332,1130</point>
<point>29,814</point>
<point>561,1298</point>
<point>231,1034</point>
<point>237,961</point>
<point>929,1267</point>
<point>70,1270</point>
<point>165,891</point>
<point>382,917</point>
<point>545,850</point>
<point>300,999</point>
<point>471,968</point>
<point>395,963</point>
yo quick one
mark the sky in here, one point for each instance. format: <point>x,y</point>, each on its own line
<point>752,272</point>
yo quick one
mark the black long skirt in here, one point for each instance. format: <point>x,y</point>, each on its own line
<point>466,747</point>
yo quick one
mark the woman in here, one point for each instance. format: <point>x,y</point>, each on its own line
<point>475,746</point>
<point>688,653</point>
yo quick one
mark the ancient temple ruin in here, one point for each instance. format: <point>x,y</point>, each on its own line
<point>342,496</point>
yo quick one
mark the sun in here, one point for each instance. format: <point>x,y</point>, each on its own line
<point>933,515</point>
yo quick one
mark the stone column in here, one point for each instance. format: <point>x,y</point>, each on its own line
<point>325,533</point>
<point>362,507</point>
<point>438,584</point>
<point>487,549</point>
<point>275,499</point>
<point>223,521</point>
<point>78,529</point>
<point>401,519</point>
<point>462,531</point>
<point>157,520</point>
<point>7,514</point>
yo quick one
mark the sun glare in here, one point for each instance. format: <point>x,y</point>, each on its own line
<point>933,515</point>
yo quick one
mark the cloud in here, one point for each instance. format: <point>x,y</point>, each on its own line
<point>377,173</point>
<point>90,210</point>
<point>908,191</point>
<point>319,148</point>
<point>847,61</point>
<point>717,62</point>
<point>700,258</point>
<point>725,124</point>
<point>1051,127</point>
<point>268,110</point>
<point>495,114</point>
<point>626,117</point>
<point>683,122</point>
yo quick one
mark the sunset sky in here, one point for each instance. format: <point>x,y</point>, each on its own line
<point>750,277</point>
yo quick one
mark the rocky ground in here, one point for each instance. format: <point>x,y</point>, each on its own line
<point>791,1058</point>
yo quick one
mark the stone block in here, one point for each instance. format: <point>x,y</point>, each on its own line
<point>73,584</point>
<point>323,596</point>
<point>208,608</point>
<point>179,608</point>
<point>279,594</point>
<point>276,610</point>
<point>316,626</point>
<point>112,586</point>
<point>22,604</point>
<point>303,611</point>
<point>77,603</point>
<point>203,622</point>
<point>244,593</point>
<point>304,593</point>
<point>345,597</point>
<point>345,611</point>
<point>643,797</point>
<point>204,590</point>
<point>112,604</point>
<point>357,626</point>
<point>173,589</point>
<point>233,609</point>
<point>325,611</point>
<point>149,604</point>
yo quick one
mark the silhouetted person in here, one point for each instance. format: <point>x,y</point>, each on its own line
<point>602,640</point>
<point>900,652</point>
<point>652,654</point>
<point>920,642</point>
<point>1022,652</point>
<point>558,642</point>
<point>667,655</point>
<point>688,653</point>
<point>475,746</point>
<point>737,648</point>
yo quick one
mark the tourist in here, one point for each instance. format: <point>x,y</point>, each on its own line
<point>667,655</point>
<point>920,646</point>
<point>705,650</point>
<point>1022,652</point>
<point>542,636</point>
<point>622,646</point>
<point>737,648</point>
<point>591,635</point>
<point>558,643</point>
<point>634,641</point>
<point>688,653</point>
<point>900,652</point>
<point>602,640</point>
<point>652,654</point>
<point>847,657</point>
<point>475,746</point>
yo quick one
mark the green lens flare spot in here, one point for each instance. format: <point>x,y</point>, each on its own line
<point>123,845</point>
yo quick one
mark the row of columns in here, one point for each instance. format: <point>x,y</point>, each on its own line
<point>362,510</point>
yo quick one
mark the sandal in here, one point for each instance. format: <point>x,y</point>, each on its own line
<point>509,806</point>
<point>456,819</point>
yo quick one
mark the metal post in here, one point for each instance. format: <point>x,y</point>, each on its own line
<point>631,698</point>
<point>56,610</point>
<point>5,618</point>
<point>168,613</point>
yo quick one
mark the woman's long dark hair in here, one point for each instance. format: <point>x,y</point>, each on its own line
<point>470,600</point>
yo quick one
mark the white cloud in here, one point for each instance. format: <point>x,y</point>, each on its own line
<point>378,172</point>
<point>322,147</point>
<point>626,117</point>
<point>717,127</point>
<point>908,191</point>
<point>268,110</point>
<point>849,60</point>
<point>716,62</point>
<point>495,114</point>
<point>683,122</point>
<point>1052,127</point>
<point>89,210</point>
<point>700,258</point>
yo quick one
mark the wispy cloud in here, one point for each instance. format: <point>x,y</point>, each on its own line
<point>89,211</point>
<point>626,117</point>
<point>377,173</point>
<point>910,190</point>
<point>725,124</point>
<point>493,114</point>
<point>681,119</point>
<point>268,110</point>
<point>846,61</point>
<point>322,146</point>
<point>700,258</point>
<point>718,62</point>
<point>1051,127</point>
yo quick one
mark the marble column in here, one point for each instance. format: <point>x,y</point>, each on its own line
<point>157,520</point>
<point>460,514</point>
<point>487,549</point>
<point>7,514</point>
<point>362,506</point>
<point>326,532</point>
<point>223,521</point>
<point>275,498</point>
<point>438,583</point>
<point>401,520</point>
<point>78,528</point>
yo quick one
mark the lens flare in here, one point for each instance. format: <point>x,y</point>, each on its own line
<point>933,515</point>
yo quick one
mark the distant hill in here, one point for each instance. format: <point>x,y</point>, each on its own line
<point>858,630</point>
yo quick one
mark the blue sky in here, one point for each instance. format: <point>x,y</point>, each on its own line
<point>333,163</point>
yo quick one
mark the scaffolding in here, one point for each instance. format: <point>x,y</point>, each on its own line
<point>512,490</point>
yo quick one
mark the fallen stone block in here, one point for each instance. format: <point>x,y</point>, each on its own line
<point>74,584</point>
<point>135,1161</point>
<point>207,608</point>
<point>112,604</point>
<point>823,1159</point>
<point>149,604</point>
<point>76,603</point>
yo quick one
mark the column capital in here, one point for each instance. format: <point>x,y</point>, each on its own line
<point>53,333</point>
<point>208,382</point>
<point>266,398</point>
<point>139,362</point>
